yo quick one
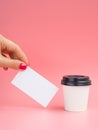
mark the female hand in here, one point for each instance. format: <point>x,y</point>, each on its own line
<point>11,55</point>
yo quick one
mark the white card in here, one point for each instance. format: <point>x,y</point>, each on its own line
<point>35,86</point>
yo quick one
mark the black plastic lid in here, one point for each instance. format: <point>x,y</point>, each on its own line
<point>76,80</point>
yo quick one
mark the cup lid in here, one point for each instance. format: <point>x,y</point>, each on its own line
<point>76,80</point>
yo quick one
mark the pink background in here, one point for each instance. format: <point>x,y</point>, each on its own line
<point>59,37</point>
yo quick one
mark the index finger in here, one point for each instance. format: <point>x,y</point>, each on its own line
<point>11,48</point>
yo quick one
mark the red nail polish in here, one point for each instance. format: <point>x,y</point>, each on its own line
<point>5,68</point>
<point>23,66</point>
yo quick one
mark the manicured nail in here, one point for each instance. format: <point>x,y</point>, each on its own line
<point>5,68</point>
<point>23,66</point>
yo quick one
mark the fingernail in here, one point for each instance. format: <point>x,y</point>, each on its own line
<point>23,66</point>
<point>5,68</point>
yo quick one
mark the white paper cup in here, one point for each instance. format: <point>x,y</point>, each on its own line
<point>76,92</point>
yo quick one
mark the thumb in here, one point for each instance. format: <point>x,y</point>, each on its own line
<point>12,63</point>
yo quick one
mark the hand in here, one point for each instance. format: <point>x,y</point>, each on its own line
<point>11,55</point>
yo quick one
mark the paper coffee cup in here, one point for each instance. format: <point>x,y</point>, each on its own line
<point>76,92</point>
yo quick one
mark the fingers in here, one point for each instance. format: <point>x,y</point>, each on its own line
<point>19,54</point>
<point>11,63</point>
<point>5,68</point>
<point>12,49</point>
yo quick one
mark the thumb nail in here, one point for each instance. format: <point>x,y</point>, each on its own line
<point>22,66</point>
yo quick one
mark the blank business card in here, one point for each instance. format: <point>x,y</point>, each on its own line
<point>35,86</point>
